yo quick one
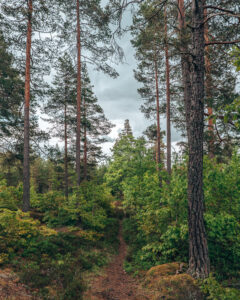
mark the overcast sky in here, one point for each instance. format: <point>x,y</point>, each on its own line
<point>119,97</point>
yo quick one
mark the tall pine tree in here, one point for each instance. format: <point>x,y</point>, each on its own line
<point>87,23</point>
<point>23,22</point>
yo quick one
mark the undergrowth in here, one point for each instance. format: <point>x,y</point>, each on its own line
<point>52,255</point>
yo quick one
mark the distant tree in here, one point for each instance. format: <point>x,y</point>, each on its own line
<point>95,126</point>
<point>131,158</point>
<point>60,107</point>
<point>127,130</point>
<point>151,134</point>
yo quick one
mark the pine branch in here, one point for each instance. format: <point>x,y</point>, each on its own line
<point>219,8</point>
<point>222,42</point>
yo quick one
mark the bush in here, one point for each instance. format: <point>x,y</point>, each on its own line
<point>62,278</point>
<point>18,230</point>
<point>214,291</point>
<point>224,244</point>
<point>89,207</point>
<point>10,197</point>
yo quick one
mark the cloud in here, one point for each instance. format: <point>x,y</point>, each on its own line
<point>119,97</point>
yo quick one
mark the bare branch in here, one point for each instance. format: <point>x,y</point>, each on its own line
<point>219,8</point>
<point>222,42</point>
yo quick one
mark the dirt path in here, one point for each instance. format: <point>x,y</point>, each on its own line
<point>115,284</point>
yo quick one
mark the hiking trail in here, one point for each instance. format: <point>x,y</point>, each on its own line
<point>116,284</point>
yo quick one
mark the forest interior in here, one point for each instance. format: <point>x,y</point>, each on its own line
<point>120,174</point>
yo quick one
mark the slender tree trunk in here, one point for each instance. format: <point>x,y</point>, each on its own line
<point>169,163</point>
<point>208,87</point>
<point>66,148</point>
<point>26,162</point>
<point>79,91</point>
<point>158,113</point>
<point>85,142</point>
<point>199,264</point>
<point>156,154</point>
<point>185,62</point>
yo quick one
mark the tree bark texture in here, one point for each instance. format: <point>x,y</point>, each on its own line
<point>169,163</point>
<point>185,62</point>
<point>66,148</point>
<point>85,142</point>
<point>199,264</point>
<point>157,113</point>
<point>208,88</point>
<point>26,160</point>
<point>79,91</point>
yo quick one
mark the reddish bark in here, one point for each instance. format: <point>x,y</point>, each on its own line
<point>66,150</point>
<point>79,92</point>
<point>85,142</point>
<point>168,97</point>
<point>26,161</point>
<point>185,62</point>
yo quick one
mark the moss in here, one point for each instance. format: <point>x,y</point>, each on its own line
<point>164,270</point>
<point>168,284</point>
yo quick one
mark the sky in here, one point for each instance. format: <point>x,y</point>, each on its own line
<point>119,97</point>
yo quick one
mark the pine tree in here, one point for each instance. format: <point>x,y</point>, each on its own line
<point>127,130</point>
<point>220,83</point>
<point>25,18</point>
<point>61,107</point>
<point>95,126</point>
<point>193,78</point>
<point>148,44</point>
<point>199,265</point>
<point>89,22</point>
<point>168,95</point>
<point>11,92</point>
<point>11,116</point>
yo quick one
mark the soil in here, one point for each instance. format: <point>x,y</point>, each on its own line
<point>116,284</point>
<point>10,288</point>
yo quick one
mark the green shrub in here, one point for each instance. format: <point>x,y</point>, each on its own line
<point>64,276</point>
<point>10,197</point>
<point>224,244</point>
<point>17,230</point>
<point>214,291</point>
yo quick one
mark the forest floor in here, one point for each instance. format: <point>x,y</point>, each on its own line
<point>10,288</point>
<point>115,283</point>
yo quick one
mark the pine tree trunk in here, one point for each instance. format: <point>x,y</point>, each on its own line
<point>66,148</point>
<point>169,163</point>
<point>79,91</point>
<point>208,86</point>
<point>26,161</point>
<point>85,143</point>
<point>185,63</point>
<point>199,264</point>
<point>158,114</point>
